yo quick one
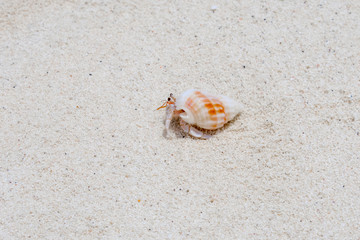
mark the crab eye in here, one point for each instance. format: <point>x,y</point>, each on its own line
<point>169,99</point>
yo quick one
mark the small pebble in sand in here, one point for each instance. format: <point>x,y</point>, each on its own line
<point>213,8</point>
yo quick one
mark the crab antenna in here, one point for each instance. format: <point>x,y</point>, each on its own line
<point>172,96</point>
<point>162,106</point>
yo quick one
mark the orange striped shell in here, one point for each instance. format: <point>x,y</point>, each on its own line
<point>205,110</point>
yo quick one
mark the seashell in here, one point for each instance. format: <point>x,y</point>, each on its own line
<point>197,107</point>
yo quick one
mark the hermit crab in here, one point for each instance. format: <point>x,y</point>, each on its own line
<point>197,107</point>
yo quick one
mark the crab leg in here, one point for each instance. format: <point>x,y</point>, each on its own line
<point>193,131</point>
<point>169,115</point>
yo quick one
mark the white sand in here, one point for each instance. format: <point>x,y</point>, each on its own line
<point>82,152</point>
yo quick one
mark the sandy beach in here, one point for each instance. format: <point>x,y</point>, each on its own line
<point>83,153</point>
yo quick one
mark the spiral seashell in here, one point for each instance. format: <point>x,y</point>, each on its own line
<point>205,110</point>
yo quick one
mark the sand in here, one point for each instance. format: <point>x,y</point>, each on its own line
<point>82,151</point>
